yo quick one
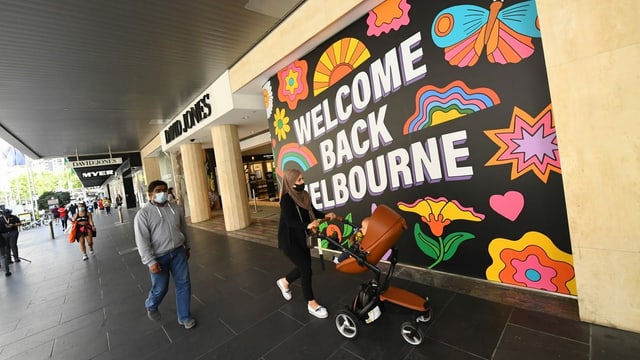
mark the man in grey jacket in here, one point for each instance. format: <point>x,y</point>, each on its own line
<point>163,246</point>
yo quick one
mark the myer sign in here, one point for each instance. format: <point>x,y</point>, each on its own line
<point>90,174</point>
<point>94,162</point>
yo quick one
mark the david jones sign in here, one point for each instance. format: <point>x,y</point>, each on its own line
<point>93,162</point>
<point>190,118</point>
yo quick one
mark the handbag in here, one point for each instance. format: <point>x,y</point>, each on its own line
<point>310,238</point>
<point>72,232</point>
<point>94,232</point>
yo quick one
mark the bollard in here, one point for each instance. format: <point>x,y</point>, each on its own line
<point>51,229</point>
<point>120,214</point>
<point>255,201</point>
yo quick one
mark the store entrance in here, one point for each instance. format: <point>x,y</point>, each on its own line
<point>260,177</point>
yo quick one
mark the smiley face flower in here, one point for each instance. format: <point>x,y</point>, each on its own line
<point>281,124</point>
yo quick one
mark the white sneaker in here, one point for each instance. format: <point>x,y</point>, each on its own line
<point>84,257</point>
<point>319,312</point>
<point>286,293</point>
<point>188,324</point>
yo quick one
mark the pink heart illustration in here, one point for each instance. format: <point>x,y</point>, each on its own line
<point>508,205</point>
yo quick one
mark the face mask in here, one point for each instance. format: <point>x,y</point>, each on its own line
<point>81,209</point>
<point>298,187</point>
<point>160,197</point>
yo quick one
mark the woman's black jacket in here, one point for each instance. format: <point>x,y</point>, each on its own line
<point>291,229</point>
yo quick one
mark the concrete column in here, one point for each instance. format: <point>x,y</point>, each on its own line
<point>179,182</point>
<point>233,192</point>
<point>593,78</point>
<point>151,170</point>
<point>195,179</point>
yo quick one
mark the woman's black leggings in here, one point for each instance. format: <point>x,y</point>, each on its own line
<point>301,258</point>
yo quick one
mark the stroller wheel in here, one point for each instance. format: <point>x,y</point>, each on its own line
<point>347,324</point>
<point>411,334</point>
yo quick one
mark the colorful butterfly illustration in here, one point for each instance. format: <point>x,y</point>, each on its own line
<point>464,30</point>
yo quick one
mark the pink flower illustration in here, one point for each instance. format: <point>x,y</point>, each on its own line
<point>292,83</point>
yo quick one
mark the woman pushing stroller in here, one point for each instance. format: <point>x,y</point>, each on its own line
<point>296,215</point>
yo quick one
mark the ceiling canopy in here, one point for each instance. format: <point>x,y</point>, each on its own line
<point>93,77</point>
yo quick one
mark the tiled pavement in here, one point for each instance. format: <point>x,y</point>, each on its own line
<point>58,306</point>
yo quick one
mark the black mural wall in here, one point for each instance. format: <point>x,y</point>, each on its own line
<point>440,110</point>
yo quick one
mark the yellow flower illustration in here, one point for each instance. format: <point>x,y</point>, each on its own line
<point>438,213</point>
<point>281,124</point>
<point>291,81</point>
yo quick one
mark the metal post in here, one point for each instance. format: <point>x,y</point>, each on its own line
<point>51,229</point>
<point>320,253</point>
<point>31,186</point>
<point>255,201</point>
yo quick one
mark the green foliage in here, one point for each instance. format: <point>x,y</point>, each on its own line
<point>64,197</point>
<point>43,184</point>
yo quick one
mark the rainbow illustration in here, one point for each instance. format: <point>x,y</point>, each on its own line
<point>294,152</point>
<point>438,105</point>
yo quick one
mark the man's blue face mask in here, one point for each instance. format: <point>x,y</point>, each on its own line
<point>160,197</point>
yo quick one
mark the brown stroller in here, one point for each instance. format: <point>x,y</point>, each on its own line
<point>384,230</point>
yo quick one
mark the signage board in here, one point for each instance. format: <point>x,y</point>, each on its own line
<point>93,162</point>
<point>409,111</point>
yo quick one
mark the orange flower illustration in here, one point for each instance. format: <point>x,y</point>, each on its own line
<point>532,261</point>
<point>438,213</point>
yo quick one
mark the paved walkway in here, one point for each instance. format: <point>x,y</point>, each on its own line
<point>56,306</point>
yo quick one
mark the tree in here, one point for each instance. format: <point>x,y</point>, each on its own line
<point>64,197</point>
<point>43,182</point>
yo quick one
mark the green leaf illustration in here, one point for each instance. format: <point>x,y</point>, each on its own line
<point>428,246</point>
<point>452,241</point>
<point>347,229</point>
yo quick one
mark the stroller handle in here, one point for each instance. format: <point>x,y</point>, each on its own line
<point>326,219</point>
<point>338,219</point>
